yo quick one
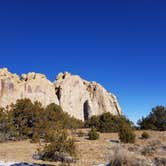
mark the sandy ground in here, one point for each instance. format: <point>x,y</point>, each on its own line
<point>89,152</point>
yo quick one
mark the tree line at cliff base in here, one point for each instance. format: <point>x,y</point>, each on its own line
<point>53,127</point>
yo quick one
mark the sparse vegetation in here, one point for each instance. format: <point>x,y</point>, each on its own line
<point>122,157</point>
<point>156,120</point>
<point>95,153</point>
<point>151,148</point>
<point>59,146</point>
<point>30,120</point>
<point>93,134</point>
<point>126,134</point>
<point>145,135</point>
<point>52,128</point>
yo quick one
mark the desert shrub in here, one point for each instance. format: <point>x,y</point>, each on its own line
<point>145,135</point>
<point>25,116</point>
<point>7,129</point>
<point>122,157</point>
<point>3,121</point>
<point>156,120</point>
<point>72,123</point>
<point>126,134</point>
<point>124,119</point>
<point>54,114</point>
<point>59,147</point>
<point>26,119</point>
<point>93,121</point>
<point>107,122</point>
<point>93,134</point>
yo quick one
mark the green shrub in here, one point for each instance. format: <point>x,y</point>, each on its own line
<point>30,120</point>
<point>59,147</point>
<point>7,129</point>
<point>54,114</point>
<point>107,122</point>
<point>25,116</point>
<point>145,135</point>
<point>93,134</point>
<point>94,121</point>
<point>156,120</point>
<point>72,123</point>
<point>126,134</point>
<point>26,119</point>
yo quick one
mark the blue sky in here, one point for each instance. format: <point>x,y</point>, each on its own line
<point>120,44</point>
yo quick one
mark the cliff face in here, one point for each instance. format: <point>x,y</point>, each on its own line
<point>76,96</point>
<point>83,99</point>
<point>32,85</point>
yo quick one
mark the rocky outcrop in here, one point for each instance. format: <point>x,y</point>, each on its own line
<point>32,85</point>
<point>76,96</point>
<point>83,99</point>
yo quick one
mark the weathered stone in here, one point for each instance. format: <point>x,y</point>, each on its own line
<point>34,86</point>
<point>83,99</point>
<point>76,96</point>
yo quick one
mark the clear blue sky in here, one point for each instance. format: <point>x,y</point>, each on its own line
<point>120,44</point>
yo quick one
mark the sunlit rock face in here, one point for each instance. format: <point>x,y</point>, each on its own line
<point>76,96</point>
<point>32,85</point>
<point>83,99</point>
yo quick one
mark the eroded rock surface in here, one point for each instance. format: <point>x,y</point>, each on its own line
<point>76,96</point>
<point>83,99</point>
<point>32,85</point>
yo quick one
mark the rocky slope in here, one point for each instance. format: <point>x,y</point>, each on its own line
<point>76,96</point>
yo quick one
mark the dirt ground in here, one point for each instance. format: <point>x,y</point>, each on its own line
<point>89,152</point>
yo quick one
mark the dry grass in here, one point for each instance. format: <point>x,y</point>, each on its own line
<point>90,152</point>
<point>122,157</point>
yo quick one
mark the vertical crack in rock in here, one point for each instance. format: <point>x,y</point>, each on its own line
<point>87,110</point>
<point>58,93</point>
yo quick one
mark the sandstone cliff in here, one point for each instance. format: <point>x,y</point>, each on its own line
<point>32,85</point>
<point>76,96</point>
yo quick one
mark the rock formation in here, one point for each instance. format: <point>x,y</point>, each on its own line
<point>76,96</point>
<point>32,85</point>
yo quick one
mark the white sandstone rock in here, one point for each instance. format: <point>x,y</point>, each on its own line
<point>33,86</point>
<point>76,96</point>
<point>83,99</point>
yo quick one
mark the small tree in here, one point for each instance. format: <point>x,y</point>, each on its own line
<point>107,122</point>
<point>59,146</point>
<point>24,116</point>
<point>156,120</point>
<point>126,134</point>
<point>54,114</point>
<point>93,134</point>
<point>7,129</point>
